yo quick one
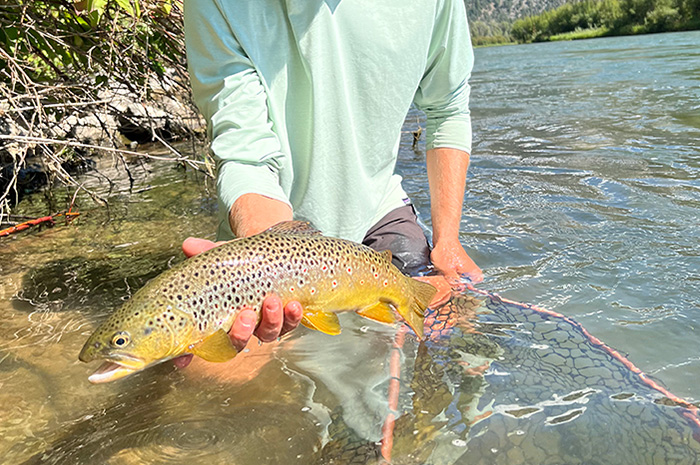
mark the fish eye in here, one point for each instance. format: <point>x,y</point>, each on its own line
<point>121,339</point>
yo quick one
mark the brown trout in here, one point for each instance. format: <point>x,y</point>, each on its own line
<point>190,308</point>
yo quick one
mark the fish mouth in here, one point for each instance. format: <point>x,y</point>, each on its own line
<point>117,367</point>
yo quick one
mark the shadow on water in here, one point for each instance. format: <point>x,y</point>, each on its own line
<point>101,434</point>
<point>77,282</point>
<point>164,416</point>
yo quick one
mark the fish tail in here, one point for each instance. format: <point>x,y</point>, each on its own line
<point>421,295</point>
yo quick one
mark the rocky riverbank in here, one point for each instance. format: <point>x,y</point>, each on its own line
<point>42,140</point>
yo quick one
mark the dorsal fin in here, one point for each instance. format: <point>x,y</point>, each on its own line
<point>386,255</point>
<point>293,227</point>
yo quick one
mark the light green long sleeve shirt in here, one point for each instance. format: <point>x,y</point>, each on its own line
<point>305,99</point>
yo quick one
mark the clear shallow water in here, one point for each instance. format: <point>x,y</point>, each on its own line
<point>583,197</point>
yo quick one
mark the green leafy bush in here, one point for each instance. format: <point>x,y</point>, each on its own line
<point>61,58</point>
<point>608,17</point>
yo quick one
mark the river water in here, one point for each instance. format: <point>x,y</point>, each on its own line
<point>583,198</point>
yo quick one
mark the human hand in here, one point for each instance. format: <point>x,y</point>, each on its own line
<point>450,259</point>
<point>275,321</point>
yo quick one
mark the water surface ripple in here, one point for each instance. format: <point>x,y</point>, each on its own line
<point>584,189</point>
<point>583,197</point>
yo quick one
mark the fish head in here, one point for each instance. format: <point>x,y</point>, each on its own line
<point>136,336</point>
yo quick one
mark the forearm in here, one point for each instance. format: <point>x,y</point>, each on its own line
<point>254,213</point>
<point>447,173</point>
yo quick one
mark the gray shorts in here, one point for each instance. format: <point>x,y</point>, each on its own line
<point>399,232</point>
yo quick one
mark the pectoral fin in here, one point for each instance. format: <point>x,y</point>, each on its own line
<point>326,322</point>
<point>381,312</point>
<point>215,348</point>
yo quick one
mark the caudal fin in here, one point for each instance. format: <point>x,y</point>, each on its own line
<point>422,294</point>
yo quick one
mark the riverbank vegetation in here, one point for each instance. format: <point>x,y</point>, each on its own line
<point>597,18</point>
<point>87,76</point>
<point>486,33</point>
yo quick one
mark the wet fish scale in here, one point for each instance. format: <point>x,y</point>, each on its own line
<point>189,308</point>
<point>299,272</point>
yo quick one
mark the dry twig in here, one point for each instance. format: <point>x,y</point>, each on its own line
<point>58,63</point>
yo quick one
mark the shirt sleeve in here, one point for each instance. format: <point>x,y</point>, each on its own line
<point>443,93</point>
<point>228,91</point>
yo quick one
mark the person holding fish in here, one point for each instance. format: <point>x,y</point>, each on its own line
<point>305,100</point>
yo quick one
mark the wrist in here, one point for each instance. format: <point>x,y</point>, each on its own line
<point>446,241</point>
<point>254,213</point>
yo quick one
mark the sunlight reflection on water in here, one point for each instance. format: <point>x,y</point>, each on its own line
<point>583,196</point>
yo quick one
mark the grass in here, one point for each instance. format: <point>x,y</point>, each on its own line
<point>580,34</point>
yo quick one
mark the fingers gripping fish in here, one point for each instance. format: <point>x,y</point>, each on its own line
<point>190,308</point>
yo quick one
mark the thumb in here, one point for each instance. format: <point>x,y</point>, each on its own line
<point>194,246</point>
